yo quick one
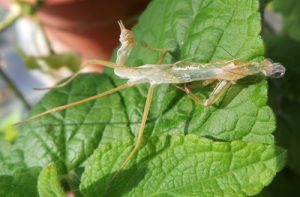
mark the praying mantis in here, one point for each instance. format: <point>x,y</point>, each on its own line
<point>179,74</point>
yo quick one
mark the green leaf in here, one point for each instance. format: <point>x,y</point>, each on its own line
<point>183,166</point>
<point>290,10</point>
<point>21,183</point>
<point>48,182</point>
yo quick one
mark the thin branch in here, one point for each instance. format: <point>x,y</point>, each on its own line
<point>14,88</point>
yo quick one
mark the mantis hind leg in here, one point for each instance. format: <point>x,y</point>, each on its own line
<point>218,91</point>
<point>204,84</point>
<point>100,62</point>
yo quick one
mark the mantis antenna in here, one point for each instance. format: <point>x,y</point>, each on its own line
<point>60,108</point>
<point>227,52</point>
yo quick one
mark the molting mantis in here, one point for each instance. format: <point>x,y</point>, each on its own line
<point>182,72</point>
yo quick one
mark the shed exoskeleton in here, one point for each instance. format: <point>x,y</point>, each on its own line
<point>179,73</point>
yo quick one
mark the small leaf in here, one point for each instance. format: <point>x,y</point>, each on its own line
<point>48,182</point>
<point>183,166</point>
<point>70,60</point>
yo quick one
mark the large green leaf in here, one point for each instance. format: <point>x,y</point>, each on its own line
<point>205,30</point>
<point>183,166</point>
<point>11,159</point>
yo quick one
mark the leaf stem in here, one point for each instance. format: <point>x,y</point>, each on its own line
<point>14,88</point>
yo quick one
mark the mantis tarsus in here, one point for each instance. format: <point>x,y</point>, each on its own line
<point>182,72</point>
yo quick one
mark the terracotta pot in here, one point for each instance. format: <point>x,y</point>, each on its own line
<point>5,3</point>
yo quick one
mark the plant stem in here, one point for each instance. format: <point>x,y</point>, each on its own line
<point>13,15</point>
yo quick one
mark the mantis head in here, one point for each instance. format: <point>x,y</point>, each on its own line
<point>126,35</point>
<point>271,69</point>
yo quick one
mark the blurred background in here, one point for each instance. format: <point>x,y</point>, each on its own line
<point>43,41</point>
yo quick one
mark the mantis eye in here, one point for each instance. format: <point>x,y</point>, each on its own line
<point>274,70</point>
<point>277,70</point>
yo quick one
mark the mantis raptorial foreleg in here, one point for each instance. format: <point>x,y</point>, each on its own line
<point>218,91</point>
<point>127,44</point>
<point>90,62</point>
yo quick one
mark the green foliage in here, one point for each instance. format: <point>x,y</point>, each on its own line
<point>70,137</point>
<point>290,10</point>
<point>16,178</point>
<point>21,183</point>
<point>286,183</point>
<point>188,150</point>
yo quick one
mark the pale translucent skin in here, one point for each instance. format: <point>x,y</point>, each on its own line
<point>185,72</point>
